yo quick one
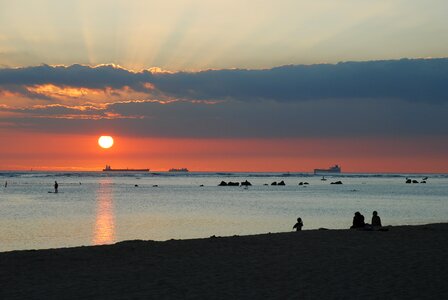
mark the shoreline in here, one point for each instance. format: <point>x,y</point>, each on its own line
<point>405,262</point>
<point>250,235</point>
<point>384,228</point>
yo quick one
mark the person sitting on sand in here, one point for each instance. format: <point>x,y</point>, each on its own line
<point>376,220</point>
<point>298,226</point>
<point>358,220</point>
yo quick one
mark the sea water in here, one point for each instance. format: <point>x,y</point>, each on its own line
<point>93,208</point>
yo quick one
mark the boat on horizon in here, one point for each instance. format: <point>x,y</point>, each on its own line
<point>336,169</point>
<point>178,170</point>
<point>109,169</point>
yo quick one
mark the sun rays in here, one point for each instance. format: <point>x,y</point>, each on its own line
<point>197,35</point>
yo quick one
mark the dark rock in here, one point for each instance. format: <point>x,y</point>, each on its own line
<point>246,183</point>
<point>414,181</point>
<point>274,183</point>
<point>337,182</point>
<point>300,183</point>
<point>281,183</point>
<point>408,181</point>
<point>223,183</point>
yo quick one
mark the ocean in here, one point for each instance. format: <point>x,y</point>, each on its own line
<point>93,208</point>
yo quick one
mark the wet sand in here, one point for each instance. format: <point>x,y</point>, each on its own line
<point>406,262</point>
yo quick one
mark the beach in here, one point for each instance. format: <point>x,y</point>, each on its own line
<point>405,262</point>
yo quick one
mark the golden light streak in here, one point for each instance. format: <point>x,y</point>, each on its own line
<point>104,232</point>
<point>55,91</point>
<point>83,95</point>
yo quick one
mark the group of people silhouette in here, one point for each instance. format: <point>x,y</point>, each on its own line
<point>358,222</point>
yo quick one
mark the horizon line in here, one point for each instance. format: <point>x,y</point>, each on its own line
<point>222,171</point>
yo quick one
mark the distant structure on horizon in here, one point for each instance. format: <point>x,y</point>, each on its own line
<point>336,169</point>
<point>178,170</point>
<point>109,169</point>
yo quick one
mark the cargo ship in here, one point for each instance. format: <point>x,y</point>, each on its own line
<point>178,170</point>
<point>109,169</point>
<point>332,170</point>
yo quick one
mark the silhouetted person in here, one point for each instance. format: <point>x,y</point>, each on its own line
<point>298,226</point>
<point>56,185</point>
<point>376,220</point>
<point>358,220</point>
<point>6,183</point>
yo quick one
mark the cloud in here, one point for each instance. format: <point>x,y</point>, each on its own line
<point>413,80</point>
<point>406,79</point>
<point>237,119</point>
<point>355,99</point>
<point>58,111</point>
<point>74,75</point>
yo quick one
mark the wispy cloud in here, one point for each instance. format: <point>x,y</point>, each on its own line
<point>58,111</point>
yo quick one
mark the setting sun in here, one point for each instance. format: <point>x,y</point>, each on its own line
<point>105,141</point>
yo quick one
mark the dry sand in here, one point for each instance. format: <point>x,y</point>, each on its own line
<point>406,262</point>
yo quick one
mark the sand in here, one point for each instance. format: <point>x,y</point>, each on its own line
<point>406,262</point>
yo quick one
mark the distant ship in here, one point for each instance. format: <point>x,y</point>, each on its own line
<point>332,170</point>
<point>178,170</point>
<point>109,169</point>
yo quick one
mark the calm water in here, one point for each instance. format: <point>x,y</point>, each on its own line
<point>97,208</point>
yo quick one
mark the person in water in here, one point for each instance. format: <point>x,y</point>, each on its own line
<point>358,221</point>
<point>298,226</point>
<point>376,220</point>
<point>56,185</point>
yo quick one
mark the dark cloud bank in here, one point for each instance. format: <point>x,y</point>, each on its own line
<point>406,97</point>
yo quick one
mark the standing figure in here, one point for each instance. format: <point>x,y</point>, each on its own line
<point>298,226</point>
<point>376,220</point>
<point>6,184</point>
<point>56,185</point>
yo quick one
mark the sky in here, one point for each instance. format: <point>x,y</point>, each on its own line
<point>224,85</point>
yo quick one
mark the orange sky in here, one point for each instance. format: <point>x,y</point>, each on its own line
<point>25,151</point>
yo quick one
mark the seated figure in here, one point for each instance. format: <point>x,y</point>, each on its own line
<point>376,220</point>
<point>358,221</point>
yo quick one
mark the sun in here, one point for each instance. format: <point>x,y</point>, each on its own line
<point>105,141</point>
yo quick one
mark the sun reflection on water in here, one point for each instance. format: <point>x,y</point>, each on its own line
<point>104,232</point>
